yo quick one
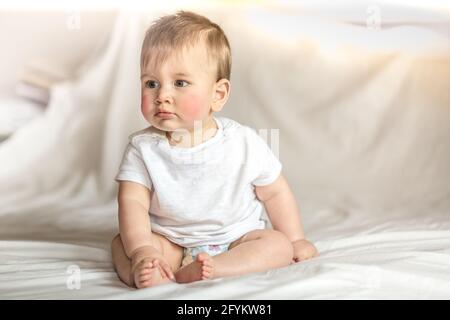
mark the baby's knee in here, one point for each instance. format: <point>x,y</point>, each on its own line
<point>283,248</point>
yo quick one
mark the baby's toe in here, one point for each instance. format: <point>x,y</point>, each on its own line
<point>203,257</point>
<point>207,271</point>
<point>207,268</point>
<point>208,263</point>
<point>144,284</point>
<point>145,271</point>
<point>144,265</point>
<point>206,275</point>
<point>145,277</point>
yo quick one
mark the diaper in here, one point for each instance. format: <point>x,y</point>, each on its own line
<point>189,254</point>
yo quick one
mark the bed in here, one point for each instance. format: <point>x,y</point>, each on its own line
<point>362,111</point>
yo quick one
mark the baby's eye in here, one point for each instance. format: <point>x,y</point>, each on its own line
<point>152,84</point>
<point>181,83</point>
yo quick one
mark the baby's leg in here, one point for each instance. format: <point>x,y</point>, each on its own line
<point>256,251</point>
<point>147,273</point>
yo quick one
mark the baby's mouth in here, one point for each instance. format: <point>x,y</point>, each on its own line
<point>165,114</point>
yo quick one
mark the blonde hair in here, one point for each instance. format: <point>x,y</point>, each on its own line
<point>170,34</point>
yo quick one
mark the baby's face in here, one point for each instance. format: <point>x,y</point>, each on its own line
<point>179,91</point>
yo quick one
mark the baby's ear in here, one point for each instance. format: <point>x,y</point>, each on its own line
<point>221,93</point>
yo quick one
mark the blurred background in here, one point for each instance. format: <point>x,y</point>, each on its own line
<point>354,96</point>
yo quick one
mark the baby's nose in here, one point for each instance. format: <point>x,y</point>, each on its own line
<point>164,96</point>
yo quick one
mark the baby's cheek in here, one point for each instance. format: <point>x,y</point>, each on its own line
<point>193,107</point>
<point>145,104</point>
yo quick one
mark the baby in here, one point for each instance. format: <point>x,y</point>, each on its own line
<point>193,186</point>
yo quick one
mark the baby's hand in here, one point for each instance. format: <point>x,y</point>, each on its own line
<point>303,250</point>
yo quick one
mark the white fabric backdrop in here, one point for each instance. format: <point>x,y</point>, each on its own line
<point>364,126</point>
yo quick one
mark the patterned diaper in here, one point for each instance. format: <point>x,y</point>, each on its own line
<point>189,254</point>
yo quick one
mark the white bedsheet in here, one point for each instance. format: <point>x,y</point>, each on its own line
<point>362,257</point>
<point>364,139</point>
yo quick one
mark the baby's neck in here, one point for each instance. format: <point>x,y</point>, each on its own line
<point>189,138</point>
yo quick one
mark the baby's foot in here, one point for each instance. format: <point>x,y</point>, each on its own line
<point>200,269</point>
<point>148,273</point>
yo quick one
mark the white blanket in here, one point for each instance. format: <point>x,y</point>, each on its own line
<point>364,127</point>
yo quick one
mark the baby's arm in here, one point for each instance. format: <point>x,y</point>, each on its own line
<point>134,222</point>
<point>283,212</point>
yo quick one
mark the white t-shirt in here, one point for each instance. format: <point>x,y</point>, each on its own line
<point>204,194</point>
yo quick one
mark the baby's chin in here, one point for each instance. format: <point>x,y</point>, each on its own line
<point>172,124</point>
<point>167,125</point>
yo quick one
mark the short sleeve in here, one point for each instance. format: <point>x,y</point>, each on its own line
<point>267,164</point>
<point>132,168</point>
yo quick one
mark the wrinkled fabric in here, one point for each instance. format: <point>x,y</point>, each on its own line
<point>363,122</point>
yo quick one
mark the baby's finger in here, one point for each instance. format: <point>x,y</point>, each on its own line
<point>158,265</point>
<point>168,270</point>
<point>163,270</point>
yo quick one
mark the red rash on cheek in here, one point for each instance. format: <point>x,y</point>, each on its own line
<point>145,104</point>
<point>193,107</point>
